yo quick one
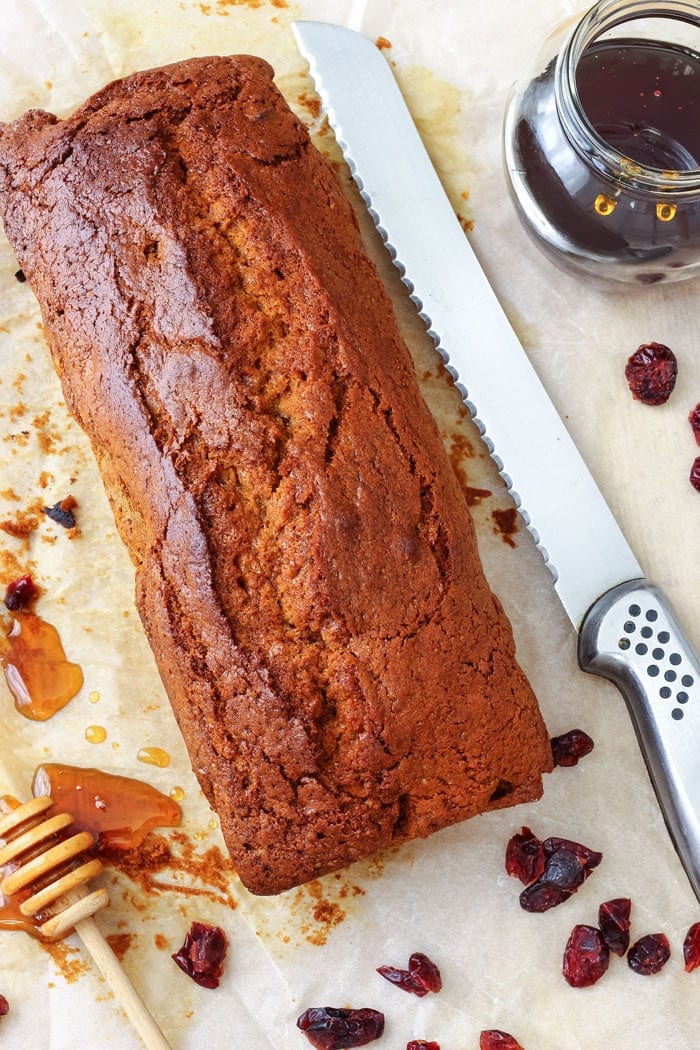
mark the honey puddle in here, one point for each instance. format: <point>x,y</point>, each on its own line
<point>39,676</point>
<point>118,811</point>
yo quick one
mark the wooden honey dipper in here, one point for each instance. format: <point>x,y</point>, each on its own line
<point>24,831</point>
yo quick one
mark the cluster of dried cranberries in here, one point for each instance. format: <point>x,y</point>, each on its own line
<point>551,869</point>
<point>694,420</point>
<point>587,952</point>
<point>651,375</point>
<point>331,1028</point>
<point>421,977</point>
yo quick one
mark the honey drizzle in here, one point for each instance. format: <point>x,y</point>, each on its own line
<point>38,675</point>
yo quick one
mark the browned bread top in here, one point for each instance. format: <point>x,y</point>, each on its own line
<point>306,565</point>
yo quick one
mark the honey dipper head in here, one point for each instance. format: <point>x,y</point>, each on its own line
<point>43,865</point>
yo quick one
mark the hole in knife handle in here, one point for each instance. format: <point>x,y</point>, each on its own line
<point>653,659</point>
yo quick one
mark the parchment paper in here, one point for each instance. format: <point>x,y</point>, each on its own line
<point>448,896</point>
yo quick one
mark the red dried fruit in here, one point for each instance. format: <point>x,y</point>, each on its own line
<point>20,593</point>
<point>691,948</point>
<point>424,972</point>
<point>422,1044</point>
<point>331,1028</point>
<point>63,512</point>
<point>614,922</point>
<point>493,1039</point>
<point>587,859</point>
<point>694,420</point>
<point>421,977</point>
<point>695,474</point>
<point>651,373</point>
<point>649,954</point>
<point>541,896</point>
<point>4,1006</point>
<point>202,955</point>
<point>525,857</point>
<point>566,865</point>
<point>586,957</point>
<point>568,748</point>
<point>564,869</point>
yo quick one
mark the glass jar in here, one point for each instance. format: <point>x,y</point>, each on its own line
<point>602,142</point>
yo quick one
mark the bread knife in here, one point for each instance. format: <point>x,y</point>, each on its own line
<point>627,630</point>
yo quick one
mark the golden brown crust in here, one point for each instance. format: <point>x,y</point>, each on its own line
<point>306,565</point>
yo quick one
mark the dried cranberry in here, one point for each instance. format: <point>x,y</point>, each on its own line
<point>421,977</point>
<point>691,948</point>
<point>563,869</point>
<point>586,957</point>
<point>586,858</point>
<point>4,1006</point>
<point>525,857</point>
<point>614,922</point>
<point>330,1028</point>
<point>20,593</point>
<point>650,954</point>
<point>694,420</point>
<point>202,954</point>
<point>568,748</point>
<point>651,373</point>
<point>422,1044</point>
<point>695,474</point>
<point>568,864</point>
<point>62,512</point>
<point>541,896</point>
<point>424,972</point>
<point>493,1039</point>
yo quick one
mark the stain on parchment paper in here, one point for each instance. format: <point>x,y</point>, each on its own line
<point>173,865</point>
<point>120,943</point>
<point>70,962</point>
<point>506,523</point>
<point>308,913</point>
<point>436,107</point>
<point>528,333</point>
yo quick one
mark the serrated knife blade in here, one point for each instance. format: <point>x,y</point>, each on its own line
<point>596,575</point>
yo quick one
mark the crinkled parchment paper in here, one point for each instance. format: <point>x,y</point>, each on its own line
<point>448,896</point>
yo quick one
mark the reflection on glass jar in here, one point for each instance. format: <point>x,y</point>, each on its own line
<point>602,142</point>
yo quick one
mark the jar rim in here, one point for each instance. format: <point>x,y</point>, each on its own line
<point>603,16</point>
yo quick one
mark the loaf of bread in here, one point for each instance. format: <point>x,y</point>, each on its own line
<point>306,565</point>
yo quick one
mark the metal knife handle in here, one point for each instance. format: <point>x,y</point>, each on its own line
<point>632,637</point>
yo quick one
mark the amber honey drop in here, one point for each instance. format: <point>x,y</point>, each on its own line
<point>39,676</point>
<point>95,734</point>
<point>154,756</point>
<point>177,794</point>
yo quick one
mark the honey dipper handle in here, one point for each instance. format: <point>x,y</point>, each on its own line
<point>124,991</point>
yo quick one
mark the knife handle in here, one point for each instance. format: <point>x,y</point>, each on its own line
<point>632,637</point>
